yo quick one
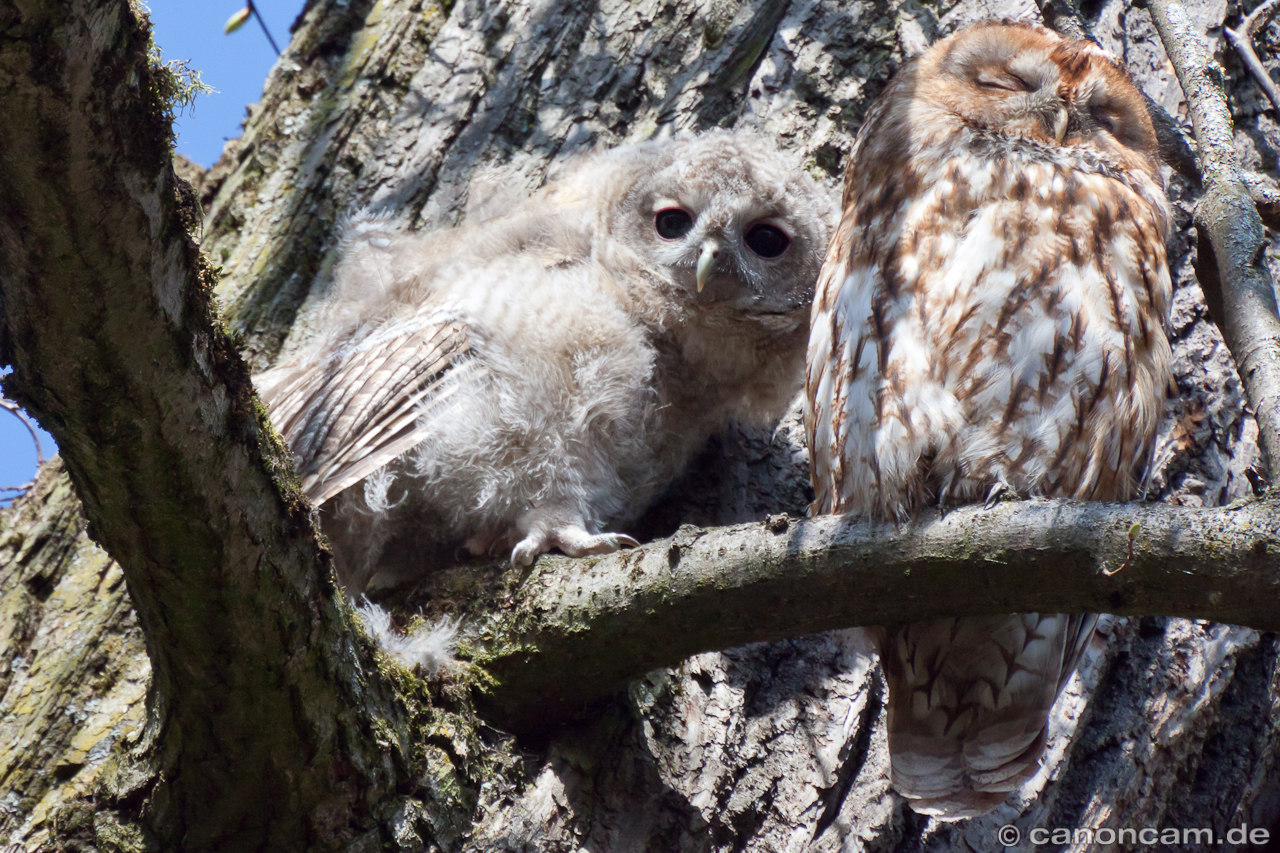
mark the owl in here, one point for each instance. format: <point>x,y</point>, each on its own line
<point>989,318</point>
<point>533,381</point>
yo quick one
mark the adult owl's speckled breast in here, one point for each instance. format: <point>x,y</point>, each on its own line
<point>1014,306</point>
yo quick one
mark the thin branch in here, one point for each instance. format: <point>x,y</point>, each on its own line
<point>1228,222</point>
<point>1259,17</point>
<point>16,410</point>
<point>1062,17</point>
<point>570,632</point>
<point>18,491</point>
<point>1241,39</point>
<point>263,24</point>
<point>1266,196</point>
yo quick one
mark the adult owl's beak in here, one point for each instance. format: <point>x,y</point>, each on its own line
<point>707,262</point>
<point>1061,118</point>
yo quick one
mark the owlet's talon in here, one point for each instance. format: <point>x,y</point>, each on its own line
<point>526,552</point>
<point>577,542</point>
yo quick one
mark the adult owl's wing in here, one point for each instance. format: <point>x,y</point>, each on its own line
<point>838,341</point>
<point>353,410</point>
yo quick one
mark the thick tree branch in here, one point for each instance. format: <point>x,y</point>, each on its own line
<point>107,320</point>
<point>1228,221</point>
<point>577,629</point>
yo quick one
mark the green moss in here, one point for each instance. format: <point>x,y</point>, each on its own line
<point>384,734</point>
<point>74,820</point>
<point>440,777</point>
<point>114,835</point>
<point>175,84</point>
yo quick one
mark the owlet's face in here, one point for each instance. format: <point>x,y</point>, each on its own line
<point>732,225</point>
<point>1028,81</point>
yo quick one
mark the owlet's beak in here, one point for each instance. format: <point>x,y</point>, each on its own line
<point>707,262</point>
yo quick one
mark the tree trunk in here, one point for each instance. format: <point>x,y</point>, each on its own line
<point>433,111</point>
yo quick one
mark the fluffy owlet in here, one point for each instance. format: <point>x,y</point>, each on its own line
<point>535,380</point>
<point>990,317</point>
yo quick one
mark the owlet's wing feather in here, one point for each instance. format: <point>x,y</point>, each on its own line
<point>398,347</point>
<point>367,403</point>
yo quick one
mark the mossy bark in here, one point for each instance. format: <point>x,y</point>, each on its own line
<point>272,723</point>
<point>255,673</point>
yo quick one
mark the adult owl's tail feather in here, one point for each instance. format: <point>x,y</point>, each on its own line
<point>969,703</point>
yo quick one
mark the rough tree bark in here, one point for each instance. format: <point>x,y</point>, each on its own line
<point>421,109</point>
<point>183,483</point>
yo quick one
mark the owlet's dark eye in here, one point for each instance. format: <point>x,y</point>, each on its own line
<point>767,241</point>
<point>672,223</point>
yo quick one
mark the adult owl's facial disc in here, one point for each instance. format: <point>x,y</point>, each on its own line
<point>1028,81</point>
<point>1017,91</point>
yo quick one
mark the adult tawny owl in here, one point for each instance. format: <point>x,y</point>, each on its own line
<point>990,317</point>
<point>529,381</point>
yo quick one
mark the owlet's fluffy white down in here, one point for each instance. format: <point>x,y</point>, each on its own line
<point>533,381</point>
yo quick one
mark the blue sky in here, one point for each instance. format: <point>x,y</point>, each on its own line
<point>236,66</point>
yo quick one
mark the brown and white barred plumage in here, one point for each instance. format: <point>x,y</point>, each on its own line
<point>989,317</point>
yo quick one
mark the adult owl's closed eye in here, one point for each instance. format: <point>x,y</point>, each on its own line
<point>989,317</point>
<point>528,382</point>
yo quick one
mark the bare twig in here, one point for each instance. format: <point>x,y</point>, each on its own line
<point>9,494</point>
<point>1241,39</point>
<point>16,410</point>
<point>1228,222</point>
<point>1259,17</point>
<point>263,24</point>
<point>1266,195</point>
<point>1062,17</point>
